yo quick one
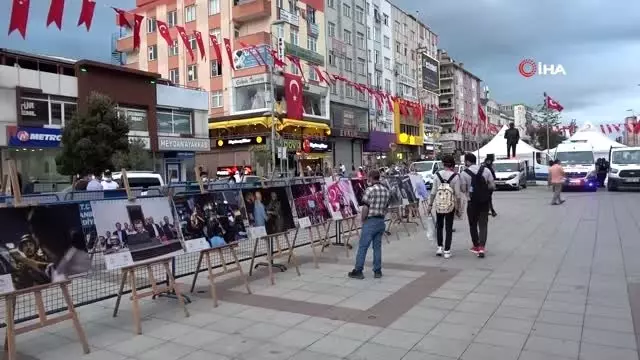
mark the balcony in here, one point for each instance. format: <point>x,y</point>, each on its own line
<point>444,76</point>
<point>289,17</point>
<point>304,54</point>
<point>249,10</point>
<point>378,66</point>
<point>446,106</point>
<point>446,91</point>
<point>259,38</point>
<point>124,44</point>
<point>313,29</point>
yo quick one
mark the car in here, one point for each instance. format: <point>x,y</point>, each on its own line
<point>624,169</point>
<point>510,174</point>
<point>427,169</point>
<point>140,179</point>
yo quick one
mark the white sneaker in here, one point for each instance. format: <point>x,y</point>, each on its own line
<point>439,251</point>
<point>447,254</point>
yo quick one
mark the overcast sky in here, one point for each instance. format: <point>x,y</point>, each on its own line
<point>596,41</point>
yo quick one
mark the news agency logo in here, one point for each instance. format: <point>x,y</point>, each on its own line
<point>529,68</point>
<point>23,136</point>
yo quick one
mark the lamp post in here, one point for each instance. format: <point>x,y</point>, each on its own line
<point>273,101</point>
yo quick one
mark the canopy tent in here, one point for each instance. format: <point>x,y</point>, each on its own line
<point>498,147</point>
<point>593,136</point>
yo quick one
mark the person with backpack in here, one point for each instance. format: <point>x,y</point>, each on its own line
<point>477,184</point>
<point>445,198</point>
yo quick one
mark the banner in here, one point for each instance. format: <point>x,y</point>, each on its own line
<point>430,74</point>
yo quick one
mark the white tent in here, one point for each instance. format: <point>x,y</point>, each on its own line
<point>498,147</point>
<point>593,136</point>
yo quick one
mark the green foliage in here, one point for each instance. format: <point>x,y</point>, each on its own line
<point>135,158</point>
<point>90,139</point>
<point>538,131</point>
<point>555,138</point>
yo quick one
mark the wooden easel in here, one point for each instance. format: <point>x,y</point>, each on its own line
<point>10,299</point>
<point>129,273</point>
<point>207,254</point>
<point>414,212</point>
<point>351,229</point>
<point>270,239</point>
<point>395,215</point>
<point>321,241</point>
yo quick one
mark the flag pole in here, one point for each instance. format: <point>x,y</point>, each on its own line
<point>546,120</point>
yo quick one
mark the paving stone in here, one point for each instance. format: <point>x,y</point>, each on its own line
<point>466,318</point>
<point>608,323</point>
<point>432,344</point>
<point>599,352</point>
<point>335,345</point>
<point>555,331</point>
<point>553,317</point>
<point>489,352</point>
<point>297,338</point>
<point>558,347</point>
<point>509,324</point>
<point>372,351</point>
<point>609,338</point>
<point>516,312</point>
<point>534,355</point>
<point>501,338</point>
<point>397,338</point>
<point>456,331</point>
<point>356,331</point>
<point>411,324</point>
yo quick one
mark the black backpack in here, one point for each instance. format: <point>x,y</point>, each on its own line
<point>480,193</point>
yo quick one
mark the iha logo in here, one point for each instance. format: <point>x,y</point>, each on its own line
<point>528,68</point>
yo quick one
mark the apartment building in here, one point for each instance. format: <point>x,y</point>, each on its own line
<point>459,98</point>
<point>240,104</point>
<point>346,25</point>
<point>630,138</point>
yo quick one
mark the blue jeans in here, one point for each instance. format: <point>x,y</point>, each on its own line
<point>372,231</point>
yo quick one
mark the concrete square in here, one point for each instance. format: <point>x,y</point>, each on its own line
<point>534,355</point>
<point>166,351</point>
<point>437,345</point>
<point>356,331</point>
<point>297,338</point>
<point>509,324</point>
<point>516,312</point>
<point>262,331</point>
<point>501,338</point>
<point>136,345</point>
<point>230,325</point>
<point>335,345</point>
<point>199,337</point>
<point>204,355</point>
<point>269,351</point>
<point>371,351</point>
<point>608,323</point>
<point>310,355</point>
<point>553,317</point>
<point>489,352</point>
<point>439,303</point>
<point>455,331</point>
<point>464,318</point>
<point>417,355</point>
<point>321,325</point>
<point>558,347</point>
<point>397,338</point>
<point>411,324</point>
<point>609,338</point>
<point>599,352</point>
<point>555,331</point>
<point>232,345</point>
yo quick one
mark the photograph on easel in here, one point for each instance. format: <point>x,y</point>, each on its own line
<point>419,187</point>
<point>392,184</point>
<point>269,207</point>
<point>341,198</point>
<point>215,216</point>
<point>309,201</point>
<point>359,186</point>
<point>406,188</point>
<point>145,227</point>
<point>41,244</point>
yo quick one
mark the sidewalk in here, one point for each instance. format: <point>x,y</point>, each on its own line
<point>558,283</point>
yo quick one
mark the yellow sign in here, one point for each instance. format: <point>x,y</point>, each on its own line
<point>220,142</point>
<point>259,139</point>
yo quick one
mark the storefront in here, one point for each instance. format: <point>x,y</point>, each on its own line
<point>319,155</point>
<point>349,130</point>
<point>379,148</point>
<point>178,156</point>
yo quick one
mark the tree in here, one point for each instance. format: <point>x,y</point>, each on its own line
<point>136,157</point>
<point>544,118</point>
<point>555,138</point>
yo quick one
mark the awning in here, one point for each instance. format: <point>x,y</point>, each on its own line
<point>304,123</point>
<point>261,120</point>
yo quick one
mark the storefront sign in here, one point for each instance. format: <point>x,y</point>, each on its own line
<point>430,73</point>
<point>318,146</point>
<point>179,155</point>
<point>349,121</point>
<point>349,133</point>
<point>250,140</point>
<point>33,137</point>
<point>183,144</point>
<point>380,142</point>
<point>250,80</point>
<point>231,170</point>
<point>34,112</point>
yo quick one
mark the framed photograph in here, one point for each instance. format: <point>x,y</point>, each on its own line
<point>269,207</point>
<point>359,186</point>
<point>40,245</point>
<point>392,184</point>
<point>145,227</point>
<point>419,188</point>
<point>309,201</point>
<point>341,198</point>
<point>406,188</point>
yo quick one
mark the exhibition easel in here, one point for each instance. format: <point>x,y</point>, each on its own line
<point>395,216</point>
<point>10,298</point>
<point>270,240</point>
<point>321,241</point>
<point>414,212</point>
<point>351,228</point>
<point>129,273</point>
<point>206,254</point>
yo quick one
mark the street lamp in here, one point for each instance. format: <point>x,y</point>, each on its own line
<point>273,101</point>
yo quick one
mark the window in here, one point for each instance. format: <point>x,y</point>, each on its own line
<point>216,99</point>
<point>312,44</point>
<point>216,33</point>
<point>376,57</point>
<point>367,7</point>
<point>386,42</point>
<point>360,40</point>
<point>331,29</point>
<point>378,78</point>
<point>386,19</point>
<point>387,85</point>
<point>369,33</point>
<point>332,60</point>
<point>361,96</point>
<point>190,13</point>
<point>214,7</point>
<point>376,34</point>
<point>294,69</point>
<point>369,56</point>
<point>359,15</point>
<point>347,37</point>
<point>348,91</point>
<point>348,65</point>
<point>153,53</point>
<point>362,67</point>
<point>312,74</point>
<point>192,42</point>
<point>172,18</point>
<point>192,72</point>
<point>412,55</point>
<point>174,76</point>
<point>346,10</point>
<point>412,35</point>
<point>280,30</point>
<point>334,88</point>
<point>405,49</point>
<point>151,25</point>
<point>330,3</point>
<point>293,37</point>
<point>311,15</point>
<point>136,118</point>
<point>404,29</point>
<point>236,31</point>
<point>173,121</point>
<point>387,63</point>
<point>173,50</point>
<point>216,69</point>
<point>398,47</point>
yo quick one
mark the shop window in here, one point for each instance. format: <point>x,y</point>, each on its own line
<point>56,114</point>
<point>251,97</point>
<point>136,118</point>
<point>41,110</point>
<point>174,122</point>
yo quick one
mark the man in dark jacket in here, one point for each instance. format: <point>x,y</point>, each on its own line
<point>512,135</point>
<point>488,163</point>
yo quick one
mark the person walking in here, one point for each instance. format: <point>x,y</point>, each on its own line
<point>375,204</point>
<point>513,136</point>
<point>445,195</point>
<point>477,184</point>
<point>488,163</point>
<point>556,180</point>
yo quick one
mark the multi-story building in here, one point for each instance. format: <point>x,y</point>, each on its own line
<point>240,104</point>
<point>630,138</point>
<point>459,98</point>
<point>346,28</point>
<point>40,94</point>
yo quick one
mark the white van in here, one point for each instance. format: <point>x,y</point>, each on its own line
<point>140,179</point>
<point>624,168</point>
<point>427,169</point>
<point>579,164</point>
<point>510,174</point>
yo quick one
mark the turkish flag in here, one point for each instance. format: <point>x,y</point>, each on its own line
<point>227,45</point>
<point>185,41</point>
<point>552,104</point>
<point>56,9</point>
<point>19,17</point>
<point>86,13</point>
<point>216,48</point>
<point>203,54</point>
<point>137,24</point>
<point>122,20</point>
<point>163,29</point>
<point>481,114</point>
<point>293,96</point>
<point>296,61</point>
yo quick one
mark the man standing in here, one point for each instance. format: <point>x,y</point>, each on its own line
<point>477,183</point>
<point>556,180</point>
<point>121,234</point>
<point>94,184</point>
<point>108,183</point>
<point>445,195</point>
<point>375,203</point>
<point>513,136</point>
<point>488,163</point>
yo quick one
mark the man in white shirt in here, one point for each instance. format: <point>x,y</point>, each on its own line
<point>108,183</point>
<point>94,184</point>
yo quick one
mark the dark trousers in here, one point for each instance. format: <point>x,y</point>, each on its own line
<point>478,215</point>
<point>511,149</point>
<point>444,222</point>
<point>491,203</point>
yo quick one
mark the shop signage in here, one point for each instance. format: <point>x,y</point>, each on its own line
<point>250,80</point>
<point>34,137</point>
<point>304,54</point>
<point>183,144</point>
<point>250,140</point>
<point>179,155</point>
<point>34,112</point>
<point>231,170</point>
<point>430,73</point>
<point>349,133</point>
<point>318,146</point>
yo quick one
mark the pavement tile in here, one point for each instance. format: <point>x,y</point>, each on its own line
<point>558,347</point>
<point>356,331</point>
<point>136,345</point>
<point>489,352</point>
<point>474,307</point>
<point>417,355</point>
<point>563,307</point>
<point>534,355</point>
<point>516,312</point>
<point>204,355</point>
<point>555,331</point>
<point>466,318</point>
<point>599,352</point>
<point>608,323</point>
<point>199,337</point>
<point>432,344</point>
<point>397,338</point>
<point>310,355</point>
<point>230,325</point>
<point>297,338</point>
<point>553,317</point>
<point>232,345</point>
<point>455,331</point>
<point>609,338</point>
<point>335,345</point>
<point>608,311</point>
<point>372,351</point>
<point>438,303</point>
<point>412,324</point>
<point>501,338</point>
<point>509,324</point>
<point>321,325</point>
<point>427,313</point>
<point>262,331</point>
<point>166,351</point>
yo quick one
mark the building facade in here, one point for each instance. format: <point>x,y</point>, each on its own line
<point>240,101</point>
<point>40,94</point>
<point>346,28</point>
<point>630,138</point>
<point>459,98</point>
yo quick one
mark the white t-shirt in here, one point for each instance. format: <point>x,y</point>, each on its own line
<point>94,185</point>
<point>109,185</point>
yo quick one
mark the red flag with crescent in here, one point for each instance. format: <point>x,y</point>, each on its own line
<point>185,41</point>
<point>216,48</point>
<point>19,17</point>
<point>293,96</point>
<point>86,13</point>
<point>296,61</point>
<point>203,53</point>
<point>163,29</point>
<point>123,18</point>
<point>137,24</point>
<point>227,45</point>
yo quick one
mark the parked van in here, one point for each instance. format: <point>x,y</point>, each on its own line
<point>624,168</point>
<point>140,179</point>
<point>510,174</point>
<point>427,169</point>
<point>579,164</point>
